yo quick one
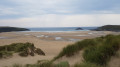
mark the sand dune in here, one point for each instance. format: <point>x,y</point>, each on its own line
<point>115,60</point>
<point>77,58</point>
<point>47,42</point>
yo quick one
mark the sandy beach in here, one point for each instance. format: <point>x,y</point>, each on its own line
<point>50,42</point>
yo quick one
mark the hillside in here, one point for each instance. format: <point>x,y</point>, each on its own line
<point>10,29</point>
<point>108,28</point>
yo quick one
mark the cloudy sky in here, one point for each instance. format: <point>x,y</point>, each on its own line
<point>59,13</point>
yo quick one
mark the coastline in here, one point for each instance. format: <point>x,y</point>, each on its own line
<point>50,42</point>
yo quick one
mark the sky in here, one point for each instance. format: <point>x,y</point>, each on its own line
<point>59,13</point>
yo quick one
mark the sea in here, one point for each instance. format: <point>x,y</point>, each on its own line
<point>59,29</point>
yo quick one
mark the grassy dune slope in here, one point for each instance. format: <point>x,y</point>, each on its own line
<point>96,51</point>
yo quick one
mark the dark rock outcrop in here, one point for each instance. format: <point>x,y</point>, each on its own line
<point>79,28</point>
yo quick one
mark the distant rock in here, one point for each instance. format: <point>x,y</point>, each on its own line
<point>79,28</point>
<point>10,29</point>
<point>115,28</point>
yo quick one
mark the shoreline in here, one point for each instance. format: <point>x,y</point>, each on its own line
<point>59,36</point>
<point>45,41</point>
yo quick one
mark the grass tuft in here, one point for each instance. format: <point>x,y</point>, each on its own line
<point>62,64</point>
<point>87,65</point>
<point>17,65</point>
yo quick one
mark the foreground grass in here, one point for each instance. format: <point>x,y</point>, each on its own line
<point>61,64</point>
<point>44,64</point>
<point>87,65</point>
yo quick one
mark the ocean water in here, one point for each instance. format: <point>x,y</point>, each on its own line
<point>59,29</point>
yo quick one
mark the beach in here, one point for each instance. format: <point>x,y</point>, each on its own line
<point>50,42</point>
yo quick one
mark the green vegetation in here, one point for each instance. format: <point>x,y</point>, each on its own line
<point>5,54</point>
<point>17,65</point>
<point>9,29</point>
<point>44,63</point>
<point>101,54</point>
<point>24,49</point>
<point>109,28</point>
<point>62,64</point>
<point>87,65</point>
<point>70,50</point>
<point>97,51</point>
